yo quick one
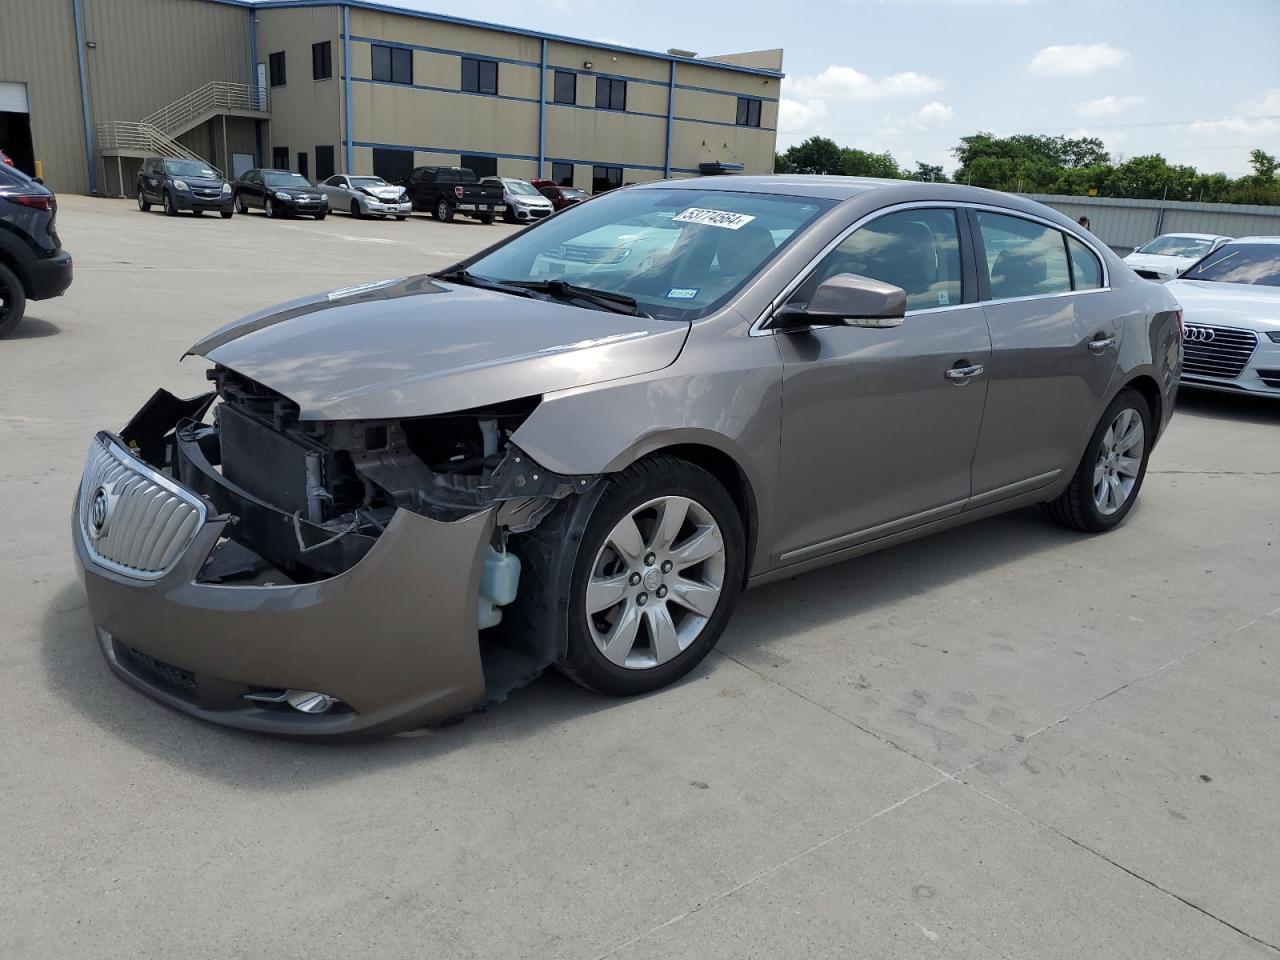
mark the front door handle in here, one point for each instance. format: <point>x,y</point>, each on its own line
<point>963,375</point>
<point>1100,344</point>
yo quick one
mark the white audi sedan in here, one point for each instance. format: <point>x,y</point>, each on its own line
<point>1231,318</point>
<point>363,195</point>
<point>1164,257</point>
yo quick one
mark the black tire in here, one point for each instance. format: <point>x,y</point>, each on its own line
<point>402,216</point>
<point>198,212</point>
<point>269,208</point>
<point>241,206</point>
<point>509,217</point>
<point>558,556</point>
<point>13,300</point>
<point>355,209</point>
<point>225,214</point>
<point>1075,507</point>
<point>322,214</point>
<point>486,218</point>
<point>444,212</point>
<point>170,208</point>
<point>143,203</point>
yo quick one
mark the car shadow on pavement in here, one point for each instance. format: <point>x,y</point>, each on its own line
<point>1239,407</point>
<point>77,673</point>
<point>33,328</point>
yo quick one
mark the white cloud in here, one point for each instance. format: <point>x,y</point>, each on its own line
<point>1076,59</point>
<point>1109,106</point>
<point>933,114</point>
<point>800,116</point>
<point>1253,120</point>
<point>846,83</point>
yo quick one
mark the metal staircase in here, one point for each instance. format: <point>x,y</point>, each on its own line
<point>156,134</point>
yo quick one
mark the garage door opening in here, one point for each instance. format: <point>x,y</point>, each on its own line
<point>15,127</point>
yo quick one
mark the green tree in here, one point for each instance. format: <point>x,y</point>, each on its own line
<point>814,155</point>
<point>1264,166</point>
<point>861,163</point>
<point>931,172</point>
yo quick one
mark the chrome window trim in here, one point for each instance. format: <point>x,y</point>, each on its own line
<point>758,328</point>
<point>129,461</point>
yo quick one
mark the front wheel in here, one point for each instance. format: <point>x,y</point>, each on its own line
<point>322,214</point>
<point>13,300</point>
<point>269,208</point>
<point>241,206</point>
<point>170,208</point>
<point>143,203</point>
<point>1109,476</point>
<point>444,212</point>
<point>486,218</point>
<point>402,216</point>
<point>653,580</point>
<point>355,209</point>
<point>226,214</point>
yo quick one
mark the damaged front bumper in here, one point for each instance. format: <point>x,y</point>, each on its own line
<point>390,642</point>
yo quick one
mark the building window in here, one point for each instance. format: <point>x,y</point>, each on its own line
<point>562,174</point>
<point>479,76</point>
<point>605,178</point>
<point>748,112</point>
<point>304,164</point>
<point>611,94</point>
<point>321,61</point>
<point>392,166</point>
<point>324,162</point>
<point>280,158</point>
<point>566,87</point>
<point>481,166</point>
<point>276,68</point>
<point>392,64</point>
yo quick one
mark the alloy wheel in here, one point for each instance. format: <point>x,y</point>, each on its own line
<point>269,208</point>
<point>1119,462</point>
<point>655,582</point>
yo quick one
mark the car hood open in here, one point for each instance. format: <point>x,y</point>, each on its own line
<point>416,346</point>
<point>1251,306</point>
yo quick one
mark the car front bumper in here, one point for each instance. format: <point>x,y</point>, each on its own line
<point>529,213</point>
<point>1260,375</point>
<point>189,201</point>
<point>393,638</point>
<point>386,208</point>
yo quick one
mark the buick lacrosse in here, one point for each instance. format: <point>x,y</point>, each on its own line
<point>402,500</point>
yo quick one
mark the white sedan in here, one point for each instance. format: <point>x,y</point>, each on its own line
<point>1166,256</point>
<point>363,196</point>
<point>1231,318</point>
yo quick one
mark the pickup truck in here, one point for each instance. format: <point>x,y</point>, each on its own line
<point>448,190</point>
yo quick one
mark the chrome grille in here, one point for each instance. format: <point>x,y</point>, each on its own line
<point>133,520</point>
<point>1219,352</point>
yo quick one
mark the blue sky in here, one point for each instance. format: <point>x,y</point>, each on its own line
<point>1195,80</point>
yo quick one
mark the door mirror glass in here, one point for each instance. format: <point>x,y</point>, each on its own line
<point>849,300</point>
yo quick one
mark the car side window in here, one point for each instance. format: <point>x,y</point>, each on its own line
<point>334,182</point>
<point>1086,269</point>
<point>1024,259</point>
<point>917,250</point>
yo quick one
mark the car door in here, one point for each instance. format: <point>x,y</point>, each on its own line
<point>151,179</point>
<point>880,425</point>
<point>335,188</point>
<point>253,188</point>
<point>1055,332</point>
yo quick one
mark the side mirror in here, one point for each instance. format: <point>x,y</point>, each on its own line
<point>846,299</point>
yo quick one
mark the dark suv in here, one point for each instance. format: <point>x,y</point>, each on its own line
<point>183,185</point>
<point>33,265</point>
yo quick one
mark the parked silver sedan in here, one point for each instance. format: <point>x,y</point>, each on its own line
<point>402,500</point>
<point>364,195</point>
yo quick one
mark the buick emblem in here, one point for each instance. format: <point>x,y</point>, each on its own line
<point>1198,335</point>
<point>100,512</point>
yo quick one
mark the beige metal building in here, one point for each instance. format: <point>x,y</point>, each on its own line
<point>90,87</point>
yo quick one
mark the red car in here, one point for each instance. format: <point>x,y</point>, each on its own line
<point>5,158</point>
<point>559,196</point>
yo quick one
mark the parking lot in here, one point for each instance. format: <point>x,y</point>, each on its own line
<point>1008,740</point>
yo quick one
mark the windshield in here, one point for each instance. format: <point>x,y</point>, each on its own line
<point>274,178</point>
<point>573,192</point>
<point>520,187</point>
<point>1170,246</point>
<point>369,182</point>
<point>1240,263</point>
<point>190,168</point>
<point>678,253</point>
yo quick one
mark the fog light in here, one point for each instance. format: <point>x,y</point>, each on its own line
<point>308,701</point>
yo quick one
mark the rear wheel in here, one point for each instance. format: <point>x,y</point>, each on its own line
<point>444,212</point>
<point>143,203</point>
<point>653,580</point>
<point>1110,474</point>
<point>13,300</point>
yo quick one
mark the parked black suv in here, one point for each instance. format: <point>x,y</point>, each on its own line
<point>443,190</point>
<point>279,193</point>
<point>183,185</point>
<point>33,265</point>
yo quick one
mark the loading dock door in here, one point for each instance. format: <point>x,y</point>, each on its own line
<point>15,126</point>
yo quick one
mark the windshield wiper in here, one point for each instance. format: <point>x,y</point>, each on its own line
<point>471,280</point>
<point>563,290</point>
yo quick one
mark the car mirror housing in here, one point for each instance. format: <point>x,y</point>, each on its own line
<point>847,299</point>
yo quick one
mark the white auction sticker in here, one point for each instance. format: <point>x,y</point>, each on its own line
<point>714,218</point>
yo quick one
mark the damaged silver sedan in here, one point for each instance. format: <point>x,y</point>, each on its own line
<point>403,500</point>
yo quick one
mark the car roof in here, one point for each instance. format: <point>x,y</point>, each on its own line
<point>1198,236</point>
<point>1253,240</point>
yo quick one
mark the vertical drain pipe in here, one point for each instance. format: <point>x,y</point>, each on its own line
<point>89,145</point>
<point>346,86</point>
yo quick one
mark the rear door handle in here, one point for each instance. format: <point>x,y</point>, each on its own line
<point>964,374</point>
<point>1100,344</point>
